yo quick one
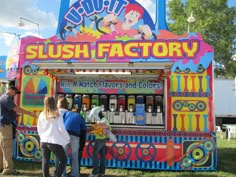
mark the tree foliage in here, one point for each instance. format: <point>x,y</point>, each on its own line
<point>215,21</point>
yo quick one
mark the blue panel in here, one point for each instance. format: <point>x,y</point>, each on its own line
<point>161,15</point>
<point>63,8</point>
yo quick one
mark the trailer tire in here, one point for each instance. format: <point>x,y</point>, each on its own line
<point>145,152</point>
<point>121,151</point>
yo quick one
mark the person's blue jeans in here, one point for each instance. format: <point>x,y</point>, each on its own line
<point>74,149</point>
<point>74,153</point>
<point>99,149</point>
<point>58,150</point>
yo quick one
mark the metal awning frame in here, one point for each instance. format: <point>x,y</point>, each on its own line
<point>73,67</point>
<point>69,65</point>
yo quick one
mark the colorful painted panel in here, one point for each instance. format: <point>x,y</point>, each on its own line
<point>33,91</point>
<point>27,145</point>
<point>147,149</point>
<point>190,96</point>
<point>161,150</point>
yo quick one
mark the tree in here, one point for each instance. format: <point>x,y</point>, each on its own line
<point>215,21</point>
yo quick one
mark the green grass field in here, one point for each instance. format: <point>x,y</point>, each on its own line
<point>226,166</point>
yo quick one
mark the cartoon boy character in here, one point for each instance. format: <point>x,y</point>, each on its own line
<point>133,13</point>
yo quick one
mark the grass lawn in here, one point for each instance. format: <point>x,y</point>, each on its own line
<point>226,166</point>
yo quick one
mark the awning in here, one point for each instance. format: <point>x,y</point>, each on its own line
<point>69,65</point>
<point>111,70</point>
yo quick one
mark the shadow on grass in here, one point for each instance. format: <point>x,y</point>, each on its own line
<point>86,175</point>
<point>28,169</point>
<point>227,160</point>
<point>189,175</point>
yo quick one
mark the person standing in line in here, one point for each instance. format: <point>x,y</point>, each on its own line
<point>53,136</point>
<point>62,105</point>
<point>8,114</point>
<point>83,132</point>
<point>100,149</point>
<point>74,124</point>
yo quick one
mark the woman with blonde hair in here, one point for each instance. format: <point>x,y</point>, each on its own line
<point>53,136</point>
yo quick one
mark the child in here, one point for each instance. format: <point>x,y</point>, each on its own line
<point>101,127</point>
<point>100,149</point>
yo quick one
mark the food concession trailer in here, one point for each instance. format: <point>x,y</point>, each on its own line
<point>154,87</point>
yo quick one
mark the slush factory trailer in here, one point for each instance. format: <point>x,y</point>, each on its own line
<point>155,87</point>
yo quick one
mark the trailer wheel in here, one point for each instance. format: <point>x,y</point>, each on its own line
<point>121,151</point>
<point>145,151</point>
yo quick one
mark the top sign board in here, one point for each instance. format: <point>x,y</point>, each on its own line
<point>115,31</point>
